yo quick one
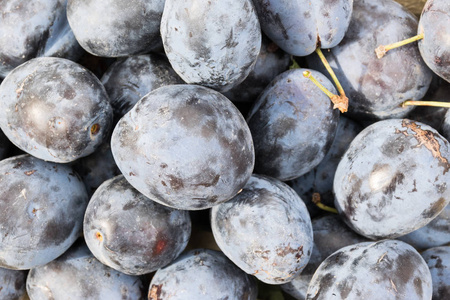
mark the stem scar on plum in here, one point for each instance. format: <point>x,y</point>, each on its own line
<point>99,236</point>
<point>95,129</point>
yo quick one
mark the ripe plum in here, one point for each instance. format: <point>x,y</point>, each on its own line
<point>393,179</point>
<point>184,146</point>
<point>265,230</point>
<point>211,43</point>
<point>131,233</point>
<point>438,260</point>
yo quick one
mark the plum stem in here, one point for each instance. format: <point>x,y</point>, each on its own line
<point>383,49</point>
<point>425,103</point>
<point>316,200</point>
<point>337,101</point>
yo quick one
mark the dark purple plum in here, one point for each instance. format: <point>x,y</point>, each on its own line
<point>385,270</point>
<point>79,275</point>
<point>184,146</point>
<point>54,109</point>
<point>114,28</point>
<point>320,179</point>
<point>131,233</point>
<point>377,87</point>
<point>30,29</point>
<point>265,230</point>
<point>330,235</point>
<point>211,43</point>
<point>393,179</point>
<point>434,234</point>
<point>438,261</point>
<point>41,211</point>
<point>293,124</point>
<point>129,79</point>
<point>97,167</point>
<point>271,62</point>
<point>299,27</point>
<point>434,23</point>
<point>202,274</point>
<point>12,284</point>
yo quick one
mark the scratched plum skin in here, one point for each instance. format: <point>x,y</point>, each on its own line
<point>299,27</point>
<point>382,270</point>
<point>131,233</point>
<point>184,146</point>
<point>211,43</point>
<point>115,28</point>
<point>265,230</point>
<point>54,109</point>
<point>202,274</point>
<point>77,274</point>
<point>30,29</point>
<point>393,179</point>
<point>41,212</point>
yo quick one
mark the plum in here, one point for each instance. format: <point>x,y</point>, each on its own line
<point>202,274</point>
<point>293,124</point>
<point>129,79</point>
<point>211,43</point>
<point>265,230</point>
<point>438,260</point>
<point>131,233</point>
<point>299,27</point>
<point>184,146</point>
<point>79,275</point>
<point>41,212</point>
<point>385,270</point>
<point>12,284</point>
<point>393,179</point>
<point>30,29</point>
<point>54,109</point>
<point>115,28</point>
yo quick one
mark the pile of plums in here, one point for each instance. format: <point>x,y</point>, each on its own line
<point>200,150</point>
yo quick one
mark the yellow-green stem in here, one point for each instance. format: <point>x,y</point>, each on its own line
<point>383,49</point>
<point>337,101</point>
<point>316,200</point>
<point>425,103</point>
<point>331,72</point>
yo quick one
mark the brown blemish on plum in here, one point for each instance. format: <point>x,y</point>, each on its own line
<point>428,139</point>
<point>155,292</point>
<point>298,252</point>
<point>28,173</point>
<point>175,182</point>
<point>209,184</point>
<point>160,246</point>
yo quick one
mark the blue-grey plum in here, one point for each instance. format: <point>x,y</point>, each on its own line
<point>79,275</point>
<point>211,43</point>
<point>30,29</point>
<point>434,23</point>
<point>330,235</point>
<point>184,146</point>
<point>202,274</point>
<point>114,28</point>
<point>393,179</point>
<point>41,211</point>
<point>377,87</point>
<point>265,230</point>
<point>380,270</point>
<point>438,261</point>
<point>320,179</point>
<point>129,79</point>
<point>299,27</point>
<point>12,284</point>
<point>271,62</point>
<point>97,167</point>
<point>131,233</point>
<point>434,234</point>
<point>293,124</point>
<point>54,109</point>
